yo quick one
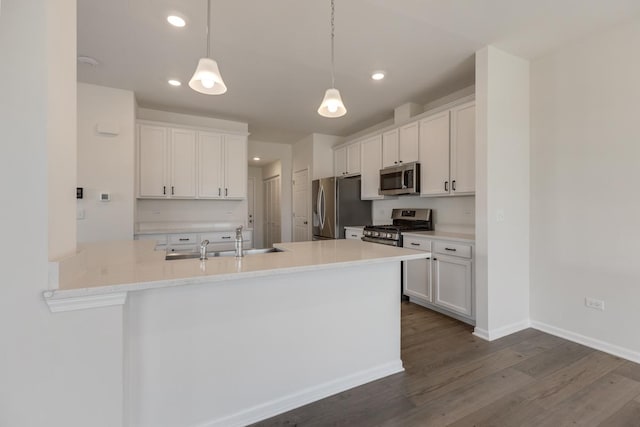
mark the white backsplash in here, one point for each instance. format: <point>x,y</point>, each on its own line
<point>209,211</point>
<point>453,214</point>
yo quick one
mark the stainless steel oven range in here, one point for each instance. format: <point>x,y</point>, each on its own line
<point>403,220</point>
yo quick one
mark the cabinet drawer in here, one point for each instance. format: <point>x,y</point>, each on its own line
<point>183,239</point>
<point>353,233</point>
<point>454,249</point>
<point>225,236</point>
<point>160,239</point>
<point>418,243</point>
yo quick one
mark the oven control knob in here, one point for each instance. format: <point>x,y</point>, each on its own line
<point>389,235</point>
<point>375,233</point>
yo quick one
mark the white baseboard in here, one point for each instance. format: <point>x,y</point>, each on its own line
<point>613,349</point>
<point>494,334</point>
<point>305,396</point>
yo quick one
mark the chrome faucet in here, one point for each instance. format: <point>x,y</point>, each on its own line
<point>203,250</point>
<point>239,252</point>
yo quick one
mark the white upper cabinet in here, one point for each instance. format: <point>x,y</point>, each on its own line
<point>371,149</point>
<point>210,166</point>
<point>463,143</point>
<point>408,143</point>
<point>353,158</point>
<point>447,152</point>
<point>189,164</point>
<point>400,145</point>
<point>434,154</point>
<point>235,154</point>
<point>152,155</point>
<point>183,168</point>
<point>346,160</point>
<point>390,144</point>
<point>222,166</point>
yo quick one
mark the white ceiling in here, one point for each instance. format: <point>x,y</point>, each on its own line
<point>274,55</point>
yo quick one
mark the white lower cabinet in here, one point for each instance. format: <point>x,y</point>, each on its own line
<point>190,242</point>
<point>353,233</point>
<point>443,282</point>
<point>452,284</point>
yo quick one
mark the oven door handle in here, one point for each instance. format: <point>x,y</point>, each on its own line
<point>381,241</point>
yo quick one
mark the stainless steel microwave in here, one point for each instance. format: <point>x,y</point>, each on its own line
<point>401,179</point>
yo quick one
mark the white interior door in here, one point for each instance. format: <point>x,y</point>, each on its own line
<point>301,202</point>
<point>272,222</point>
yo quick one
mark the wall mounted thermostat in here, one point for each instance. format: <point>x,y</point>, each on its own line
<point>105,197</point>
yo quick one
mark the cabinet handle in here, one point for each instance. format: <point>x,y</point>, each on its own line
<point>226,192</point>
<point>226,237</point>
<point>164,190</point>
<point>395,163</point>
<point>399,161</point>
<point>306,222</point>
<point>219,191</point>
<point>453,185</point>
<point>450,249</point>
<point>353,235</point>
<point>415,244</point>
<point>446,186</point>
<point>184,240</point>
<point>172,190</point>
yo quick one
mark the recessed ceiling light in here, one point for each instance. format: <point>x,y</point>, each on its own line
<point>378,75</point>
<point>256,158</point>
<point>176,21</point>
<point>83,59</point>
<point>174,82</point>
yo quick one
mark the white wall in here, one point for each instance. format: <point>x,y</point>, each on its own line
<point>502,181</point>
<point>106,163</point>
<point>284,153</point>
<point>323,154</point>
<point>454,214</point>
<point>60,96</point>
<point>55,370</point>
<point>585,157</point>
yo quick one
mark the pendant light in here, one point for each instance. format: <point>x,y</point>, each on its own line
<point>207,78</point>
<point>332,105</point>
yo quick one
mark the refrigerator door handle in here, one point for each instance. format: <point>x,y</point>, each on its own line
<point>321,208</point>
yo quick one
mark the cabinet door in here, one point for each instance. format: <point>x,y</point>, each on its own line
<point>371,150</point>
<point>390,148</point>
<point>353,158</point>
<point>210,161</point>
<point>152,157</point>
<point>235,154</point>
<point>434,155</point>
<point>340,161</point>
<point>183,164</point>
<point>463,146</point>
<point>408,144</point>
<point>417,279</point>
<point>452,283</point>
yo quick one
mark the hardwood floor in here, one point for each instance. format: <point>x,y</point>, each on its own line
<point>452,378</point>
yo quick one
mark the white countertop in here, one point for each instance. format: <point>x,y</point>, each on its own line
<point>442,235</point>
<point>112,267</point>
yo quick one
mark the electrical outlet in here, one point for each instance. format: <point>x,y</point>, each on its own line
<point>594,303</point>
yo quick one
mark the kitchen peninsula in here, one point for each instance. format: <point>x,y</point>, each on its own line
<point>230,341</point>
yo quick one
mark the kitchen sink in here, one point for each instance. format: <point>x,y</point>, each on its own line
<point>193,255</point>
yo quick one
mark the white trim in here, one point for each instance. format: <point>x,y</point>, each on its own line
<point>613,349</point>
<point>305,396</point>
<point>494,334</point>
<point>197,128</point>
<point>84,302</point>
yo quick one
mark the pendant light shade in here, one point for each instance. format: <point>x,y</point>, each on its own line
<point>207,78</point>
<point>332,105</point>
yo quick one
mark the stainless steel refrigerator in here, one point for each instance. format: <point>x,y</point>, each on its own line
<point>337,204</point>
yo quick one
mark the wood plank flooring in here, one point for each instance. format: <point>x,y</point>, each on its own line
<point>452,378</point>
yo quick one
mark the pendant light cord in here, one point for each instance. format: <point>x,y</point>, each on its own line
<point>333,79</point>
<point>208,25</point>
